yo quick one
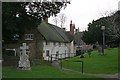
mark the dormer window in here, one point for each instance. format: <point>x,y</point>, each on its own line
<point>28,36</point>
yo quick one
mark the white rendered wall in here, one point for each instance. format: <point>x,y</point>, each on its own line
<point>53,48</point>
<point>72,49</point>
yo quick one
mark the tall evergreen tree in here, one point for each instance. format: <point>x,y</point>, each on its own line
<point>18,16</point>
<point>112,30</point>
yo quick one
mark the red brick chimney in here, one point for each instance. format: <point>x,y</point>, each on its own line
<point>71,27</point>
<point>45,18</point>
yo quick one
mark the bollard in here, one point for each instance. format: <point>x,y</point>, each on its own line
<point>82,67</point>
<point>61,61</point>
<point>51,58</point>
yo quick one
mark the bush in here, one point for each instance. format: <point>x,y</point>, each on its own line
<point>89,52</point>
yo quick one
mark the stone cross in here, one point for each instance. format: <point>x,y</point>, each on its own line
<point>24,62</point>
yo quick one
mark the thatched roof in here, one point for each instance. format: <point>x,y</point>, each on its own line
<point>54,33</point>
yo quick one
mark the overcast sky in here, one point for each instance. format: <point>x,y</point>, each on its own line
<point>82,12</point>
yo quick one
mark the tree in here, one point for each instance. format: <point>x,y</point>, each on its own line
<point>60,20</point>
<point>12,16</point>
<point>94,33</point>
<point>112,30</point>
<point>55,19</point>
<point>18,16</point>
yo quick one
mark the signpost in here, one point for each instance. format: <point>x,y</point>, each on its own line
<point>81,65</point>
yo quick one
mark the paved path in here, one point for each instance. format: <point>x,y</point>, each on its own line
<point>104,75</point>
<point>56,64</point>
<point>97,75</point>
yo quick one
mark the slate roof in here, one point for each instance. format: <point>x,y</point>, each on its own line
<point>54,33</point>
<point>77,38</point>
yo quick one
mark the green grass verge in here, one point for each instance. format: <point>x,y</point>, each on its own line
<point>41,72</point>
<point>106,64</point>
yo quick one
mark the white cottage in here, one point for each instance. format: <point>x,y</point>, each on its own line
<point>44,41</point>
<point>57,42</point>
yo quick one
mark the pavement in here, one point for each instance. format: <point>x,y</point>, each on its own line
<point>117,75</point>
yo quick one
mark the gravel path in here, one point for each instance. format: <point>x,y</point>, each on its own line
<point>104,75</point>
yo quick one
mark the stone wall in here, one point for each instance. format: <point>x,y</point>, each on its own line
<point>35,45</point>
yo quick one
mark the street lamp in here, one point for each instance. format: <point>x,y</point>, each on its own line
<point>103,29</point>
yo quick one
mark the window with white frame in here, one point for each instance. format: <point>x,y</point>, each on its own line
<point>54,43</point>
<point>65,44</point>
<point>59,44</point>
<point>47,43</point>
<point>57,53</point>
<point>47,52</point>
<point>28,36</point>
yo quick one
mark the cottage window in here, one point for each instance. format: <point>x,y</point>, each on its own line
<point>65,51</point>
<point>10,52</point>
<point>47,52</point>
<point>59,44</point>
<point>54,43</point>
<point>47,43</point>
<point>57,53</point>
<point>28,36</point>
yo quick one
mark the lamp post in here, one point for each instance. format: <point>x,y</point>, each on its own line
<point>103,29</point>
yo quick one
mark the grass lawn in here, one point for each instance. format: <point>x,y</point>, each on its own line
<point>106,64</point>
<point>41,72</point>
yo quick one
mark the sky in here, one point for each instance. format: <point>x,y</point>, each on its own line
<point>82,12</point>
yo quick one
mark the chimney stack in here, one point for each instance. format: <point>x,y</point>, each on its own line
<point>45,18</point>
<point>72,27</point>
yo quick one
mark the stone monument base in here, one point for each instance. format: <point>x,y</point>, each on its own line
<point>24,68</point>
